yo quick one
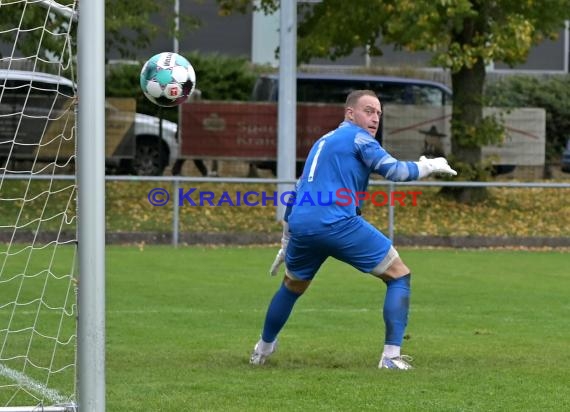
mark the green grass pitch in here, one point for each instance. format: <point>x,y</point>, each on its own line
<point>488,331</point>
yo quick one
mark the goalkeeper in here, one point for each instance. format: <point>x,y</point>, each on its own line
<point>344,159</point>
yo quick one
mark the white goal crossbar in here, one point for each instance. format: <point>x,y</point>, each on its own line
<point>62,10</point>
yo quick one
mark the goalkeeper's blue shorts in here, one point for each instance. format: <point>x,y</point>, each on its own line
<point>353,241</point>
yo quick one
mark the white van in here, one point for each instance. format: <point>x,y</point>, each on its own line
<point>135,142</point>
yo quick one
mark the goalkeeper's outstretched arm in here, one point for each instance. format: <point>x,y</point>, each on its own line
<point>377,158</point>
<point>438,165</point>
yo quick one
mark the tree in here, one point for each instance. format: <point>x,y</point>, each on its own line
<point>128,26</point>
<point>463,35</point>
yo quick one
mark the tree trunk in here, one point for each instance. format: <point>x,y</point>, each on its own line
<point>467,113</point>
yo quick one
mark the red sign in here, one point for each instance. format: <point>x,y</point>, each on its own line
<point>248,130</point>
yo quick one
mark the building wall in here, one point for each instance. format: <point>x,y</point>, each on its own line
<point>227,35</point>
<point>232,35</point>
<point>548,55</point>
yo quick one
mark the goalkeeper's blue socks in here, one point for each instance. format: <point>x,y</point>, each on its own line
<point>278,312</point>
<point>396,307</point>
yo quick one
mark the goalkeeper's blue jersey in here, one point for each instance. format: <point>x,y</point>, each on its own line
<point>338,166</point>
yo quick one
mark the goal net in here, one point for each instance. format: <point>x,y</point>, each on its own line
<point>38,287</point>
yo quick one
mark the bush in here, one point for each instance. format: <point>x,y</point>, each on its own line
<point>123,81</point>
<point>551,94</point>
<point>222,77</point>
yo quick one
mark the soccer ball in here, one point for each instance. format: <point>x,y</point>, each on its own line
<point>167,79</point>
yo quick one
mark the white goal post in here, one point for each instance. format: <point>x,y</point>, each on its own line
<point>52,210</point>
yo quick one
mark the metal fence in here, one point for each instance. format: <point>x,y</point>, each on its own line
<point>178,182</point>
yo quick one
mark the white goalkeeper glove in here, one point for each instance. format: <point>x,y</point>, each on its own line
<point>438,165</point>
<point>280,258</point>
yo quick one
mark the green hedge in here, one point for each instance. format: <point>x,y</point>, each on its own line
<point>217,77</point>
<point>551,93</point>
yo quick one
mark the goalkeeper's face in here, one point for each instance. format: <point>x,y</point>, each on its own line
<point>365,113</point>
